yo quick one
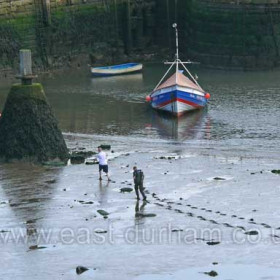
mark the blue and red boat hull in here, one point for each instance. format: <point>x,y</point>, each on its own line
<point>177,100</point>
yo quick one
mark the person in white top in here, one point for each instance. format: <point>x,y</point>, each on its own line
<point>103,163</point>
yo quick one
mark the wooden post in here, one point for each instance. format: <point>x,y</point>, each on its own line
<point>46,7</point>
<point>116,18</point>
<point>139,27</point>
<point>25,63</point>
<point>129,35</point>
<point>25,67</point>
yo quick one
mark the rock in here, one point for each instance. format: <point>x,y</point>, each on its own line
<point>101,231</point>
<point>51,181</point>
<point>123,190</point>
<point>31,221</point>
<point>241,227</point>
<point>145,215</point>
<point>105,147</point>
<point>103,213</point>
<point>91,161</point>
<point>275,171</point>
<point>218,178</point>
<point>212,273</point>
<point>227,225</point>
<point>215,263</point>
<point>85,202</point>
<point>167,157</point>
<point>76,159</point>
<point>252,232</point>
<point>212,243</point>
<point>36,247</point>
<point>158,204</point>
<point>81,269</point>
<point>265,225</point>
<point>54,163</point>
<point>85,154</point>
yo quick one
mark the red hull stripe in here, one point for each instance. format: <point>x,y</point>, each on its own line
<point>178,100</point>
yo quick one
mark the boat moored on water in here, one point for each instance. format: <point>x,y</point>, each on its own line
<point>113,70</point>
<point>178,94</point>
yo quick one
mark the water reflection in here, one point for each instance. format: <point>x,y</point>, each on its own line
<point>139,209</point>
<point>192,125</point>
<point>137,77</point>
<point>29,190</point>
<point>103,193</point>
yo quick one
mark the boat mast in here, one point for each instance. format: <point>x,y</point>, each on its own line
<point>177,49</point>
<point>177,61</point>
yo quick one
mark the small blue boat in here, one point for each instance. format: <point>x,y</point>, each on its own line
<point>120,69</point>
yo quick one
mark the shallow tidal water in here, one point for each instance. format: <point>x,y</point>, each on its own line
<point>208,175</point>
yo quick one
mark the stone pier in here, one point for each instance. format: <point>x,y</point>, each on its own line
<point>28,128</point>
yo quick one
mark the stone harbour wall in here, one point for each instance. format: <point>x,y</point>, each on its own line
<point>241,34</point>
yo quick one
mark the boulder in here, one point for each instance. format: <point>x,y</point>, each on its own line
<point>105,147</point>
<point>103,213</point>
<point>251,232</point>
<point>211,273</point>
<point>123,190</point>
<point>77,159</point>
<point>218,178</point>
<point>81,269</point>
<point>212,243</point>
<point>91,161</point>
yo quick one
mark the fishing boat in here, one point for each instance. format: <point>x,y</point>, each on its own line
<point>120,69</point>
<point>179,93</point>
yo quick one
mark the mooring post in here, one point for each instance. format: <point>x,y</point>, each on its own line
<point>46,6</point>
<point>25,67</point>
<point>129,32</point>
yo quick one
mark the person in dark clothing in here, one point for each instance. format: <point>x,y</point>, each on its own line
<point>138,177</point>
